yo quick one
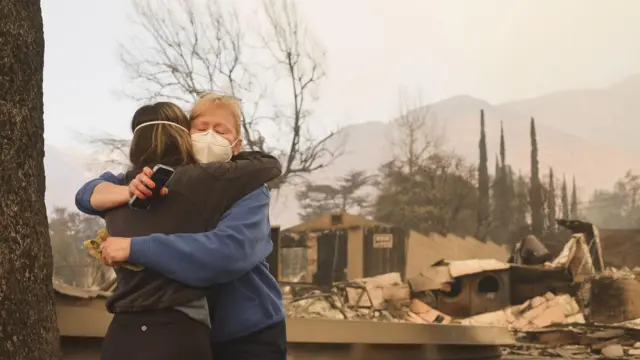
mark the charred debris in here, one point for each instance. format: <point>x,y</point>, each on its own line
<point>570,306</point>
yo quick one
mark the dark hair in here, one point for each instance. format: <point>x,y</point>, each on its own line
<point>161,143</point>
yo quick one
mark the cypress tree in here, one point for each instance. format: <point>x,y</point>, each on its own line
<point>483,178</point>
<point>521,202</point>
<point>565,200</point>
<point>574,200</point>
<point>495,195</point>
<point>506,214</point>
<point>551,202</point>
<point>502,207</point>
<point>535,196</point>
<point>503,151</point>
<point>511,185</point>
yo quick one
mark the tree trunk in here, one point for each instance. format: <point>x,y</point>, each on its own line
<point>28,327</point>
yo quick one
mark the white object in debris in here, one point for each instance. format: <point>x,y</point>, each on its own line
<point>474,266</point>
<point>575,255</point>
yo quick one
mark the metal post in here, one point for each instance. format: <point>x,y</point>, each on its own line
<point>274,258</point>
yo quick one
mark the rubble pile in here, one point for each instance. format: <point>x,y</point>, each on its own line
<point>546,326</point>
<point>578,342</point>
<point>536,313</point>
<point>381,298</point>
<point>569,307</point>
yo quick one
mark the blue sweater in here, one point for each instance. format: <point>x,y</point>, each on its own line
<point>232,256</point>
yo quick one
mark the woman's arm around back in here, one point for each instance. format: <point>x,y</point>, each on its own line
<point>103,193</point>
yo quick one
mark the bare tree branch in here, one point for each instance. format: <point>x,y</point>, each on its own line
<point>425,187</point>
<point>109,152</point>
<point>300,59</point>
<point>185,47</point>
<point>416,134</point>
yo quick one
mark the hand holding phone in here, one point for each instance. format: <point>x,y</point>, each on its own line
<point>160,177</point>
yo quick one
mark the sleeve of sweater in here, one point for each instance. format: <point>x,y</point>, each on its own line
<point>239,243</point>
<point>83,196</point>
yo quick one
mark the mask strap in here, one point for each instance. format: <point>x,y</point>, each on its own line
<point>158,122</point>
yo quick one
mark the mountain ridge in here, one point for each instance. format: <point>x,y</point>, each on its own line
<point>573,138</point>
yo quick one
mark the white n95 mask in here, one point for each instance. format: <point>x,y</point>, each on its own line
<point>211,147</point>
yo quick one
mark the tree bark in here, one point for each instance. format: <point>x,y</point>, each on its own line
<point>28,326</point>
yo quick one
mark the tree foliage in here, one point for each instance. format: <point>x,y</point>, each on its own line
<point>348,195</point>
<point>440,195</point>
<point>535,197</point>
<point>618,208</point>
<point>484,203</point>
<point>566,213</point>
<point>425,187</point>
<point>551,201</point>
<point>574,200</point>
<point>521,210</point>
<point>71,263</point>
<point>503,190</point>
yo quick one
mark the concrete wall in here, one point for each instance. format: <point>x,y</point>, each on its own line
<point>424,250</point>
<point>89,349</point>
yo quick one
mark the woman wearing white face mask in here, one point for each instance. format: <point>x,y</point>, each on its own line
<point>248,321</point>
<point>215,132</point>
<point>215,127</point>
<point>210,146</point>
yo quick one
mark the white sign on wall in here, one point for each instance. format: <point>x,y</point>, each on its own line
<point>383,241</point>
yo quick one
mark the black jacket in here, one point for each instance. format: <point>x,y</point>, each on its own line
<point>198,196</point>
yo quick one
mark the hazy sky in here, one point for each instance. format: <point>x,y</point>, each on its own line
<point>496,50</point>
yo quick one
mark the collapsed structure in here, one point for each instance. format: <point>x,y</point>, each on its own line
<point>533,294</point>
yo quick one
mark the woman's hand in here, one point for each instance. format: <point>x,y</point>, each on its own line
<point>115,250</point>
<point>141,186</point>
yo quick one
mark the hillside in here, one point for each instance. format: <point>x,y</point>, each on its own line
<point>572,137</point>
<point>597,157</point>
<point>607,116</point>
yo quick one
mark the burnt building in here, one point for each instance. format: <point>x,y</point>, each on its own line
<point>342,246</point>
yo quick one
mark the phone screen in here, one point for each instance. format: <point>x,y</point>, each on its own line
<point>160,177</point>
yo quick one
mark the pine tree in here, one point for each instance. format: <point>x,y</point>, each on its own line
<point>535,196</point>
<point>345,196</point>
<point>551,202</point>
<point>565,200</point>
<point>574,200</point>
<point>483,180</point>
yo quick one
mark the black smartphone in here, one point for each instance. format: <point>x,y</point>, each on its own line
<point>160,177</point>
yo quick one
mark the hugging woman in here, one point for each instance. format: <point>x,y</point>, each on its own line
<point>155,316</point>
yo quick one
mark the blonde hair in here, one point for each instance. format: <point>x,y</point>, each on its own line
<point>210,98</point>
<point>161,143</point>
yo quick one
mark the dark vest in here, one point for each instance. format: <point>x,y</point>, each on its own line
<point>198,196</point>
